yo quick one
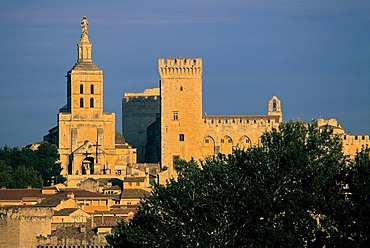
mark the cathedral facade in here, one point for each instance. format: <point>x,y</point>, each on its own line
<point>85,135</point>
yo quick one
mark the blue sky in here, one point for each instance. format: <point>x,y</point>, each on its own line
<point>314,55</point>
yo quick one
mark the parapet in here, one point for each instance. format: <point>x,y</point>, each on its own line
<point>180,67</point>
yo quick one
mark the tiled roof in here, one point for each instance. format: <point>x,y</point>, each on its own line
<point>34,194</point>
<point>115,187</point>
<point>65,211</point>
<point>50,202</point>
<point>83,194</point>
<point>108,221</point>
<point>18,194</point>
<point>116,211</point>
<point>134,193</point>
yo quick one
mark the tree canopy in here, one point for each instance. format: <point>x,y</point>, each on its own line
<point>288,192</point>
<point>21,168</point>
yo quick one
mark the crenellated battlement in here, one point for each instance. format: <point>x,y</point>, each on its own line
<point>180,67</point>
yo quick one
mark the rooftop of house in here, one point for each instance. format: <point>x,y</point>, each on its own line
<point>19,194</point>
<point>65,211</point>
<point>50,202</point>
<point>134,193</point>
<point>50,199</point>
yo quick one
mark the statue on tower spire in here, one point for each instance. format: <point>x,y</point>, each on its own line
<point>84,26</point>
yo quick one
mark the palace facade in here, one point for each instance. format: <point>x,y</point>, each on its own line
<point>175,127</point>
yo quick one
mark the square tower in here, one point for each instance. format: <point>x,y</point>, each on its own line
<point>181,108</point>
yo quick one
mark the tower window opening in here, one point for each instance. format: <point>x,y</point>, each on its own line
<point>274,105</point>
<point>182,137</point>
<point>181,88</point>
<point>91,102</point>
<point>92,89</point>
<point>175,116</point>
<point>81,89</point>
<point>81,102</point>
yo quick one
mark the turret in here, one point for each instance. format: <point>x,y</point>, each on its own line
<point>274,108</point>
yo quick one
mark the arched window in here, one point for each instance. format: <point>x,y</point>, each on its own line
<point>81,89</point>
<point>91,102</point>
<point>81,102</point>
<point>92,89</point>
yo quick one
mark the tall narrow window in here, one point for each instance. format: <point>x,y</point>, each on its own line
<point>91,102</point>
<point>182,137</point>
<point>81,102</point>
<point>81,89</point>
<point>92,89</point>
<point>175,116</point>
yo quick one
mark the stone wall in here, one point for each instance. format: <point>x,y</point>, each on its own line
<point>139,110</point>
<point>20,225</point>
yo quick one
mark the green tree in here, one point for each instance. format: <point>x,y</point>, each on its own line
<point>47,163</point>
<point>6,175</point>
<point>26,177</point>
<point>358,207</point>
<point>41,163</point>
<point>284,193</point>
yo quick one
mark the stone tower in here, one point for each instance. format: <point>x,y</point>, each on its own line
<point>139,110</point>
<point>86,138</point>
<point>274,108</point>
<point>181,109</point>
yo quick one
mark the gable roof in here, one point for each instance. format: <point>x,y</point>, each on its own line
<point>50,202</point>
<point>134,193</point>
<point>65,211</point>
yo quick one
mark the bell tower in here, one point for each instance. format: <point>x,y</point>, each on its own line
<point>274,108</point>
<point>85,80</point>
<point>86,133</point>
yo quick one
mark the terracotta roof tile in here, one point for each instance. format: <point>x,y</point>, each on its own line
<point>18,194</point>
<point>65,211</point>
<point>134,193</point>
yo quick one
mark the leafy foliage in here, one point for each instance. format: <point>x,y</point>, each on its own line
<point>20,168</point>
<point>359,199</point>
<point>286,193</point>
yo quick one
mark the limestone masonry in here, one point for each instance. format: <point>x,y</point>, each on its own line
<point>160,125</point>
<point>86,138</point>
